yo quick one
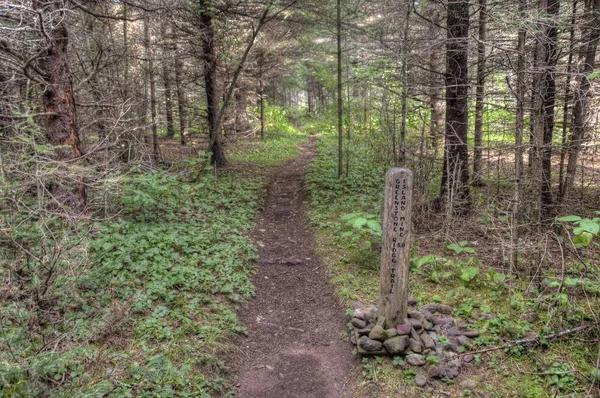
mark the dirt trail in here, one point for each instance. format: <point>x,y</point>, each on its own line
<point>293,348</point>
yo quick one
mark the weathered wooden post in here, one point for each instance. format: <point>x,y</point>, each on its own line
<point>395,250</point>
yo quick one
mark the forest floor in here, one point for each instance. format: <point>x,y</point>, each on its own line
<point>293,346</point>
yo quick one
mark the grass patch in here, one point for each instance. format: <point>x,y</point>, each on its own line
<point>140,304</point>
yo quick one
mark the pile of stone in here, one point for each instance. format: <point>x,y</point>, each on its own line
<point>428,332</point>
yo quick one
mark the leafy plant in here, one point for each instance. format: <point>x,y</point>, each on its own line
<point>461,247</point>
<point>586,229</point>
<point>361,225</point>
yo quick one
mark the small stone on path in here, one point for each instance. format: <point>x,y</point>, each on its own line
<point>415,359</point>
<point>420,380</point>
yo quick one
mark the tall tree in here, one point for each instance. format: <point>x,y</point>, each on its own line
<point>455,172</point>
<point>210,83</point>
<point>480,93</point>
<point>167,81</point>
<point>546,93</point>
<point>583,93</point>
<point>340,110</point>
<point>61,126</point>
<point>181,98</point>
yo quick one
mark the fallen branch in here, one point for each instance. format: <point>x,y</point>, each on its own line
<point>532,340</point>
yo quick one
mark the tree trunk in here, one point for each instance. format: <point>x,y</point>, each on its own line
<point>582,96</point>
<point>61,127</point>
<point>210,84</point>
<point>480,94</point>
<point>261,92</point>
<point>436,102</point>
<point>166,72</point>
<point>152,79</point>
<point>181,99</point>
<point>455,172</point>
<point>519,122</point>
<point>547,95</point>
<point>404,97</point>
<point>566,106</point>
<point>339,89</point>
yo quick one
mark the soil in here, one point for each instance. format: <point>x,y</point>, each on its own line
<point>293,347</point>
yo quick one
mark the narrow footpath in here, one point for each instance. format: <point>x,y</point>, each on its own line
<point>293,347</point>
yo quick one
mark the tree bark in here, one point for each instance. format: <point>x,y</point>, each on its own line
<point>480,94</point>
<point>547,94</point>
<point>210,84</point>
<point>152,79</point>
<point>339,90</point>
<point>61,128</point>
<point>181,99</point>
<point>582,96</point>
<point>519,123</point>
<point>166,72</point>
<point>455,172</point>
<point>566,106</point>
<point>436,102</point>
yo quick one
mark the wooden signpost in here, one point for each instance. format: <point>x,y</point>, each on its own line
<point>395,250</point>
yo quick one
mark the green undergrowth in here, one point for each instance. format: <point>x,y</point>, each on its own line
<point>504,308</point>
<point>139,304</point>
<point>279,144</point>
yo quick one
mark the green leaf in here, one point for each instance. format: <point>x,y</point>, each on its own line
<point>374,226</point>
<point>583,239</point>
<point>569,218</point>
<point>586,225</point>
<point>350,216</point>
<point>570,282</point>
<point>359,222</point>
<point>468,273</point>
<point>347,234</point>
<point>428,259</point>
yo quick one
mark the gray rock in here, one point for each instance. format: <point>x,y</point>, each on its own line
<point>443,309</point>
<point>470,333</point>
<point>378,333</point>
<point>363,311</point>
<point>366,330</point>
<point>353,338</point>
<point>462,332</point>
<point>415,315</point>
<point>456,361</point>
<point>414,335</point>
<point>444,371</point>
<point>391,333</point>
<point>426,351</point>
<point>427,314</point>
<point>427,341</point>
<point>404,329</point>
<point>396,345</point>
<point>427,325</point>
<point>420,380</point>
<point>530,317</point>
<point>412,301</point>
<point>468,358</point>
<point>358,323</point>
<point>369,345</point>
<point>468,384</point>
<point>437,328</point>
<point>415,345</point>
<point>464,340</point>
<point>416,324</point>
<point>483,315</point>
<point>415,359</point>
